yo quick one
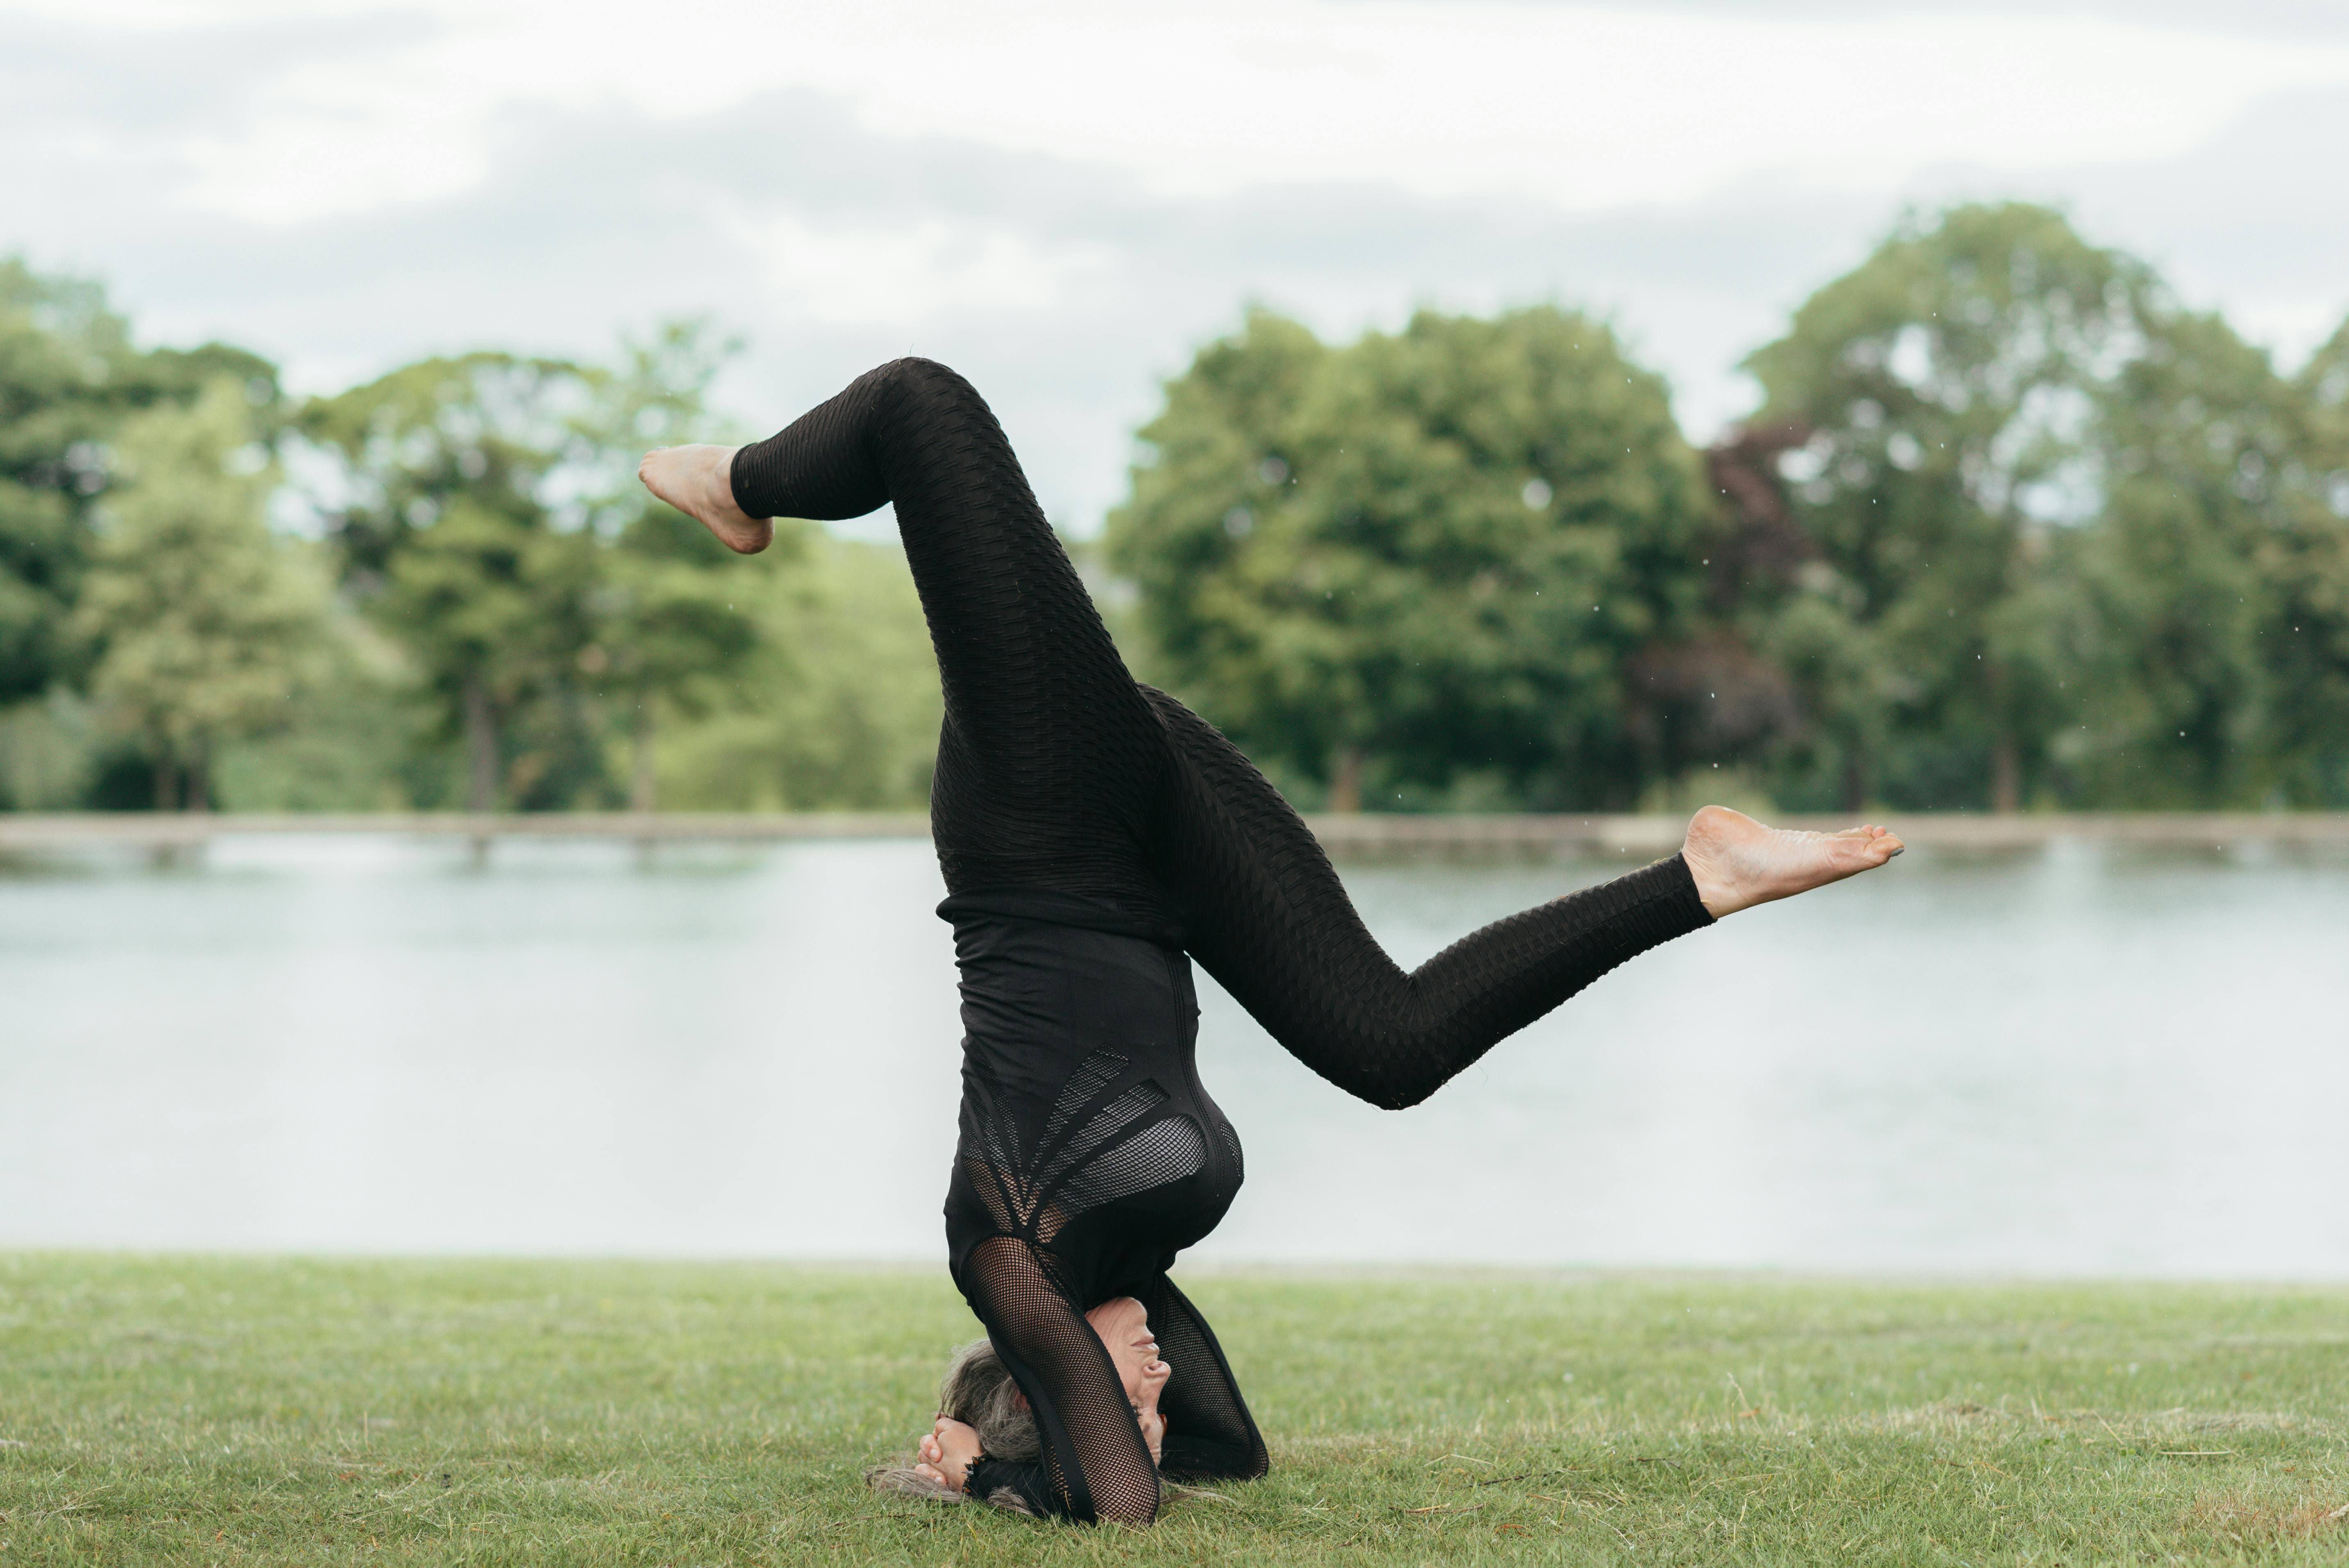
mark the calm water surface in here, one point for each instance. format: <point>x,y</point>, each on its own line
<point>2073,1062</point>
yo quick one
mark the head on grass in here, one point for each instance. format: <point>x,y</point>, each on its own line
<point>979,1390</point>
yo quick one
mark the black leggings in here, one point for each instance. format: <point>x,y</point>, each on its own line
<point>1058,771</point>
<point>1060,775</point>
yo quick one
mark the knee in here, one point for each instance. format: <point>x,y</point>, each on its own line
<point>1397,1088</point>
<point>929,380</point>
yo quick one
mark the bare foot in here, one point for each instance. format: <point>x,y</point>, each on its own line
<point>1737,863</point>
<point>699,481</point>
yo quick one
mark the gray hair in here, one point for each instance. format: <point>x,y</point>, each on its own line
<point>979,1390</point>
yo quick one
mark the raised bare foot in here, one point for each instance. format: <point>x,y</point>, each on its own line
<point>699,481</point>
<point>1737,863</point>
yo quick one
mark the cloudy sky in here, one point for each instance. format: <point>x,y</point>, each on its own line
<point>1065,198</point>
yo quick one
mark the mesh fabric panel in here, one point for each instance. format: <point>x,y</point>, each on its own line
<point>1094,1148</point>
<point>1094,1458</point>
<point>1210,1436</point>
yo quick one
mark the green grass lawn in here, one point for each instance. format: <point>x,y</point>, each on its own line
<point>160,1409</point>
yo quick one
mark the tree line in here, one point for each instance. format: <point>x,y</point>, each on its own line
<point>2012,528</point>
<point>463,598</point>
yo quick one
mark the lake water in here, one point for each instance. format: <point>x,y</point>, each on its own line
<point>2073,1062</point>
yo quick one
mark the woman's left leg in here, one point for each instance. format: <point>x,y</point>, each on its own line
<point>1050,762</point>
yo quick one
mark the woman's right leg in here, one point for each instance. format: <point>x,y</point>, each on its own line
<point>1269,918</point>
<point>1050,761</point>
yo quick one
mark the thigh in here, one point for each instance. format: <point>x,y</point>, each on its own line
<point>1049,760</point>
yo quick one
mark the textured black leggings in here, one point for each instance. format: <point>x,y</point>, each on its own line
<point>1058,771</point>
<point>1059,774</point>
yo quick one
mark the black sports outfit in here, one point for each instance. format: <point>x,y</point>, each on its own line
<point>1092,832</point>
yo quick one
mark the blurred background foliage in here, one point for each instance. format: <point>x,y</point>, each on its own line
<point>2010,529</point>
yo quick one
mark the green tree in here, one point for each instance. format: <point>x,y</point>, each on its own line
<point>838,707</point>
<point>2197,444</point>
<point>494,525</point>
<point>676,636</point>
<point>1949,387</point>
<point>678,626</point>
<point>1421,559</point>
<point>205,621</point>
<point>464,530</point>
<point>69,376</point>
<point>800,678</point>
<point>2304,560</point>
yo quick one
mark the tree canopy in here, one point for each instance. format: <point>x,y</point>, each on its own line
<point>204,624</point>
<point>1421,559</point>
<point>495,612</point>
<point>488,514</point>
<point>2049,511</point>
<point>2011,527</point>
<point>69,376</point>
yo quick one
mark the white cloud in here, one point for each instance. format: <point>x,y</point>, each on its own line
<point>1065,198</point>
<point>348,149</point>
<point>1580,107</point>
<point>905,275</point>
<point>1584,106</point>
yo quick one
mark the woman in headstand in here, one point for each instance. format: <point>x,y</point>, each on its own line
<point>1094,831</point>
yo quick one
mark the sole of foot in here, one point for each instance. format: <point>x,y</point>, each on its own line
<point>1738,862</point>
<point>700,482</point>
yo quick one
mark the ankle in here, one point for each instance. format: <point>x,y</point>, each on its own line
<point>1712,890</point>
<point>717,479</point>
